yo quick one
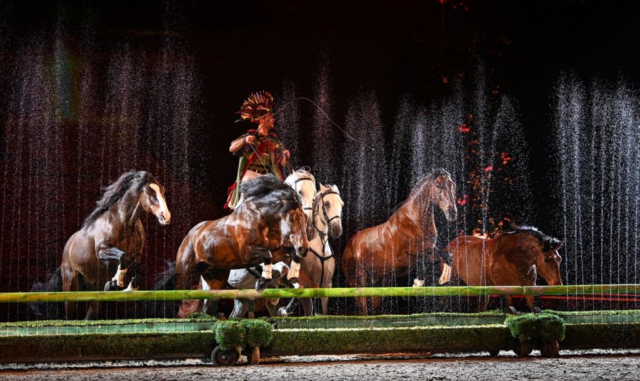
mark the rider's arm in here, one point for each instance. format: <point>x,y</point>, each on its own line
<point>238,143</point>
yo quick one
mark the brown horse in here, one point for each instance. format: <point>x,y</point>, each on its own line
<point>271,211</point>
<point>112,238</point>
<point>513,258</point>
<point>393,247</point>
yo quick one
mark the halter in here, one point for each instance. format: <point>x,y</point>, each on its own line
<point>295,188</point>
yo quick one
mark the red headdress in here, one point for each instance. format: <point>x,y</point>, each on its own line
<point>256,106</point>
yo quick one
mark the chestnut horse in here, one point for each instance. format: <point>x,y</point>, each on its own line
<point>394,246</point>
<point>270,212</point>
<point>112,235</point>
<point>512,258</point>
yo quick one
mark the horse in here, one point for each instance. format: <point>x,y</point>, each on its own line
<point>246,279</point>
<point>243,239</point>
<point>318,269</point>
<point>513,258</point>
<point>393,246</point>
<point>112,235</point>
<point>304,184</point>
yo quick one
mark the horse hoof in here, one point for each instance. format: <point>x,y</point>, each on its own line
<point>282,311</point>
<point>261,284</point>
<point>111,286</point>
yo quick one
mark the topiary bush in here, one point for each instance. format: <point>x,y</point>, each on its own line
<point>230,334</point>
<point>259,332</point>
<point>238,333</point>
<point>544,326</point>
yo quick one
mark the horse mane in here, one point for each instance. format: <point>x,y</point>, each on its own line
<point>304,171</point>
<point>269,190</point>
<point>113,193</point>
<point>547,241</point>
<point>430,177</point>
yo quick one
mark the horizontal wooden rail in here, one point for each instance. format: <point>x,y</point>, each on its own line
<point>84,296</point>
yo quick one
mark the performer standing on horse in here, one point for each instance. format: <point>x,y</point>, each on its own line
<point>260,150</point>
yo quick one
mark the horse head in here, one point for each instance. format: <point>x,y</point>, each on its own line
<point>332,209</point>
<point>548,261</point>
<point>152,201</point>
<point>293,228</point>
<point>443,193</point>
<point>303,182</point>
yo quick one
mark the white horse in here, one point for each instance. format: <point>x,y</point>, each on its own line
<point>319,265</point>
<point>303,182</point>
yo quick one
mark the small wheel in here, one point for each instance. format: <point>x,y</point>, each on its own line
<point>525,349</point>
<point>494,353</point>
<point>253,357</point>
<point>550,349</point>
<point>221,357</point>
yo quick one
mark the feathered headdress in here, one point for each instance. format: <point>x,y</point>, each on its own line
<point>256,106</point>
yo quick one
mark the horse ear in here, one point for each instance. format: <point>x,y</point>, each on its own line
<point>552,244</point>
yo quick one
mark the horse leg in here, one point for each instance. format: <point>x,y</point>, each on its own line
<point>69,283</point>
<point>531,303</point>
<point>483,301</point>
<point>294,271</point>
<point>114,254</point>
<point>324,301</point>
<point>288,310</point>
<point>307,306</point>
<point>185,278</point>
<point>266,277</point>
<point>240,308</point>
<point>360,280</point>
<point>214,279</point>
<point>136,280</point>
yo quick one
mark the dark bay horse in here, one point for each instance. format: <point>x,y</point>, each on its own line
<point>112,238</point>
<point>247,237</point>
<point>393,247</point>
<point>513,258</point>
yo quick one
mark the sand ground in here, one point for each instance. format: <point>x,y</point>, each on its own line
<point>574,365</point>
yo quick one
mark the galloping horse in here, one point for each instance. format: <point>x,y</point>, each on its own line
<point>510,259</point>
<point>394,246</point>
<point>112,233</point>
<point>243,239</point>
<point>318,269</point>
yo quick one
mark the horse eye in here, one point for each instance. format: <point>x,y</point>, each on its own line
<point>548,259</point>
<point>326,204</point>
<point>300,192</point>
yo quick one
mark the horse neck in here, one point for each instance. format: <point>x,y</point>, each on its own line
<point>527,257</point>
<point>129,209</point>
<point>415,210</point>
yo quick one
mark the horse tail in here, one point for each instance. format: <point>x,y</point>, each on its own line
<point>166,280</point>
<point>48,311</point>
<point>354,272</point>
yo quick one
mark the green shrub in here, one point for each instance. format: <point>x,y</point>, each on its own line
<point>259,332</point>
<point>544,326</point>
<point>230,334</point>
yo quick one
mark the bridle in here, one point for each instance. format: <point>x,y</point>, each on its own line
<point>324,235</point>
<point>295,188</point>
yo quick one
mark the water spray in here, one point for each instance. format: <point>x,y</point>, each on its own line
<point>326,116</point>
